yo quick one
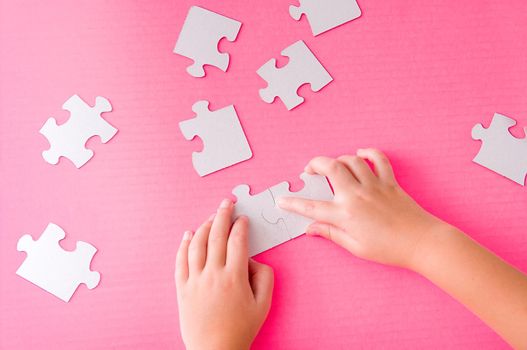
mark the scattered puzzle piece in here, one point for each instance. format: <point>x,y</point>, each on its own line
<point>68,140</point>
<point>327,14</point>
<point>500,150</point>
<point>199,38</point>
<point>224,142</point>
<point>303,67</point>
<point>53,269</point>
<point>316,187</point>
<point>263,234</point>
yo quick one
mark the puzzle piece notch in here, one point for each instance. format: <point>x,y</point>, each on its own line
<point>224,142</point>
<point>316,187</point>
<point>325,15</point>
<point>303,68</point>
<point>200,36</point>
<point>500,151</point>
<point>69,139</point>
<point>53,269</point>
<point>263,235</point>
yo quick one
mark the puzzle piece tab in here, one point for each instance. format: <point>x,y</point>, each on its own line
<point>224,142</point>
<point>68,140</point>
<point>500,150</point>
<point>199,38</point>
<point>327,14</point>
<point>316,187</point>
<point>303,67</point>
<point>263,234</point>
<point>53,269</point>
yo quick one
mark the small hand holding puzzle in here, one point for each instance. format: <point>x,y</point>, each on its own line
<point>60,272</point>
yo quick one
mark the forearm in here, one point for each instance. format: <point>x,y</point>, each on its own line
<point>488,286</point>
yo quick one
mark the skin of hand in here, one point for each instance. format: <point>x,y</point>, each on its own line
<point>223,296</point>
<point>372,217</point>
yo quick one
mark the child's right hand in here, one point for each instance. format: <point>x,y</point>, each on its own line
<point>371,216</point>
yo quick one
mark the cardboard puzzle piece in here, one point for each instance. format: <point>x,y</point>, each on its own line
<point>303,67</point>
<point>327,14</point>
<point>224,142</point>
<point>263,235</point>
<point>199,38</point>
<point>500,150</point>
<point>68,140</point>
<point>316,187</point>
<point>53,269</point>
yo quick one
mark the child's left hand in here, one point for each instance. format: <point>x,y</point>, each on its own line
<point>223,296</point>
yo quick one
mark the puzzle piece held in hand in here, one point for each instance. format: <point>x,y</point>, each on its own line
<point>327,14</point>
<point>224,142</point>
<point>53,269</point>
<point>199,38</point>
<point>263,235</point>
<point>303,67</point>
<point>500,150</point>
<point>316,187</point>
<point>68,140</point>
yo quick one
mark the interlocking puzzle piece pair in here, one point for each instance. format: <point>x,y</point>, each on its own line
<point>269,225</point>
<point>224,142</point>
<point>69,139</point>
<point>52,268</point>
<point>500,150</point>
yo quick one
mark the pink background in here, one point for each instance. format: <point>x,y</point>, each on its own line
<point>411,78</point>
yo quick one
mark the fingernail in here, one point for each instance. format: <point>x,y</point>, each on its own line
<point>187,235</point>
<point>280,201</point>
<point>226,203</point>
<point>212,217</point>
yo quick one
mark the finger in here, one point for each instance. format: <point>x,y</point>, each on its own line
<point>359,168</point>
<point>182,272</point>
<point>197,250</point>
<point>338,174</point>
<point>334,234</point>
<point>219,232</point>
<point>238,247</point>
<point>381,163</point>
<point>261,278</point>
<point>325,211</point>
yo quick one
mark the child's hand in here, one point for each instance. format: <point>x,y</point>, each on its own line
<point>371,215</point>
<point>223,296</point>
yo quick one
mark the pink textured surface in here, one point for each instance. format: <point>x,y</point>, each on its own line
<point>411,78</point>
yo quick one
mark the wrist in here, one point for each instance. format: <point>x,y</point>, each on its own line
<point>432,239</point>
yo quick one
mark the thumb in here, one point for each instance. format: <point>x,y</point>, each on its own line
<point>261,278</point>
<point>334,234</point>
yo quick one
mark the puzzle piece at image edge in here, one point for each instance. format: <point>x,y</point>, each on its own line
<point>327,14</point>
<point>500,150</point>
<point>303,67</point>
<point>263,234</point>
<point>316,187</point>
<point>69,139</point>
<point>53,269</point>
<point>224,142</point>
<point>199,38</point>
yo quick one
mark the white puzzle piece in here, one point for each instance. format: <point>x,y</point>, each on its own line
<point>199,38</point>
<point>263,235</point>
<point>68,140</point>
<point>327,14</point>
<point>500,150</point>
<point>53,269</point>
<point>316,187</point>
<point>303,67</point>
<point>224,142</point>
